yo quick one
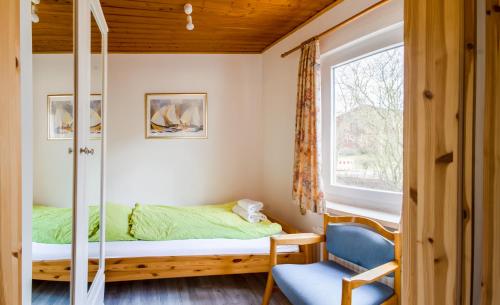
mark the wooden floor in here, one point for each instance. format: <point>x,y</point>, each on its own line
<point>217,290</point>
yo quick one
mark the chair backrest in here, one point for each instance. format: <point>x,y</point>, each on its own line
<point>360,241</point>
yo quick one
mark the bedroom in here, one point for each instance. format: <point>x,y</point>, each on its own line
<point>321,115</point>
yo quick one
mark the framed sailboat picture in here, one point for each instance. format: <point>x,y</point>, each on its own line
<point>95,116</point>
<point>60,116</point>
<point>176,115</point>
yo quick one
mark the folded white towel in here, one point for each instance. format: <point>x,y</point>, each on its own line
<point>250,206</point>
<point>252,217</point>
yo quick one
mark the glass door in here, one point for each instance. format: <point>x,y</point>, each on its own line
<point>88,278</point>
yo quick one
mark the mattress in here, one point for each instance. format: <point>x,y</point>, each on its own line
<point>192,247</point>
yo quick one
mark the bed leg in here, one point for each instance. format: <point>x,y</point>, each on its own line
<point>269,289</point>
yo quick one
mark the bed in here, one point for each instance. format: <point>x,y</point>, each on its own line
<point>143,260</point>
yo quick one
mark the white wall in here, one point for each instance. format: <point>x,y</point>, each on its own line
<point>224,167</point>
<point>279,98</point>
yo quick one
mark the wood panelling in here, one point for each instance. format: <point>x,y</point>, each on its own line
<point>433,151</point>
<point>490,281</point>
<point>146,268</point>
<point>159,26</point>
<point>10,155</point>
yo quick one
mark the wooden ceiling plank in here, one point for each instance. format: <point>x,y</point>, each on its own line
<point>159,25</point>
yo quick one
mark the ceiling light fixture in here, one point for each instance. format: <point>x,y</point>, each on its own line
<point>34,16</point>
<point>188,9</point>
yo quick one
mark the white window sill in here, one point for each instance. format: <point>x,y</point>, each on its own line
<point>384,218</point>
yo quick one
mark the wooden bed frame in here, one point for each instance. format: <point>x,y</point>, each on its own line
<point>146,268</point>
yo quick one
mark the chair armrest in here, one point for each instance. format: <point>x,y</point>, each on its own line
<point>367,277</point>
<point>299,239</point>
<point>372,275</point>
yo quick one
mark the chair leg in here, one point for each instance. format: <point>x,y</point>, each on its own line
<point>269,289</point>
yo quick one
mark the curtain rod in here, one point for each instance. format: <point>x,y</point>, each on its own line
<point>337,26</point>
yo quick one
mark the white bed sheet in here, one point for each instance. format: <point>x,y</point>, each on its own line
<point>122,249</point>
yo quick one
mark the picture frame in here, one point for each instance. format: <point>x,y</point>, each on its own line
<point>176,115</point>
<point>60,114</point>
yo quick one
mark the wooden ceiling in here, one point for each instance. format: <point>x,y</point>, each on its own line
<point>159,26</point>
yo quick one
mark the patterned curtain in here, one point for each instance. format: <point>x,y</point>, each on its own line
<point>307,182</point>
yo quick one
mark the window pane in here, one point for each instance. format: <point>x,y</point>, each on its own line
<point>368,97</point>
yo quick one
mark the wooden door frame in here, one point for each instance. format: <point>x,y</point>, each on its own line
<point>438,151</point>
<point>489,290</point>
<point>10,155</point>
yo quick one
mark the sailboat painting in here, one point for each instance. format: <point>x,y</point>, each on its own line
<point>95,116</point>
<point>60,117</point>
<point>176,115</point>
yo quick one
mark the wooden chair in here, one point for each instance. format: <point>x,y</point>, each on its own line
<point>358,240</point>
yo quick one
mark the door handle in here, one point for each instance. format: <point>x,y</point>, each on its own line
<point>86,150</point>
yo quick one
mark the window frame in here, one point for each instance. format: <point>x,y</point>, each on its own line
<point>385,202</point>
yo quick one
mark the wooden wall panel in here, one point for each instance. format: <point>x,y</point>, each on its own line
<point>10,155</point>
<point>490,282</point>
<point>467,139</point>
<point>432,212</point>
<point>159,26</point>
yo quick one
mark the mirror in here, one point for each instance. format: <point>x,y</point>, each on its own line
<point>53,153</point>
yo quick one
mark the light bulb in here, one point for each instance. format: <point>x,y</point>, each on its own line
<point>188,8</point>
<point>34,18</point>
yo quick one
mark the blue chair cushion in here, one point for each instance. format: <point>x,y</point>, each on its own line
<point>321,284</point>
<point>359,245</point>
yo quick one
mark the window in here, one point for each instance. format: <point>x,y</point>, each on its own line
<point>363,126</point>
<point>368,97</point>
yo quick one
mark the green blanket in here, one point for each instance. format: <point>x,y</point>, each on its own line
<point>54,225</point>
<point>117,223</point>
<point>150,222</point>
<point>147,222</point>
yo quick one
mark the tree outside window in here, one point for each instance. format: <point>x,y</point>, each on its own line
<point>368,97</point>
